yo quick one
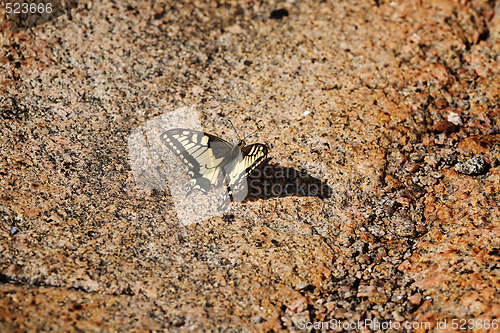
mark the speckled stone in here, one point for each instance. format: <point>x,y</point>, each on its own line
<point>473,166</point>
<point>372,102</point>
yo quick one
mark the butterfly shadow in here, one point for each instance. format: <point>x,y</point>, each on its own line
<point>275,181</point>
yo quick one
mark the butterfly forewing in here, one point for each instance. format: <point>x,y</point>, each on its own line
<point>202,153</point>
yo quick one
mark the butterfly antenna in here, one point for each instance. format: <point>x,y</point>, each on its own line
<point>234,128</point>
<point>258,129</point>
<point>246,136</point>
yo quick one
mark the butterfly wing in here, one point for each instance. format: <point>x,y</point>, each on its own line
<point>202,153</point>
<point>252,157</point>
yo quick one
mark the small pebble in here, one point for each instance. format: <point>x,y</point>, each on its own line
<point>257,319</point>
<point>303,285</point>
<point>454,118</point>
<point>473,166</point>
<point>178,322</point>
<point>278,14</point>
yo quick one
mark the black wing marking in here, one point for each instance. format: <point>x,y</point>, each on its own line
<point>252,157</point>
<point>202,153</point>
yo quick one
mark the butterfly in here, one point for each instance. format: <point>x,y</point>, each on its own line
<point>211,160</point>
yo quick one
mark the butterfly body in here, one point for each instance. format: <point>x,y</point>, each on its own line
<point>211,160</point>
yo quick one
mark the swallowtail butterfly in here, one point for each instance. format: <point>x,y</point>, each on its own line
<point>211,160</point>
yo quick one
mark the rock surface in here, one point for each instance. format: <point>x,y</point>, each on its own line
<point>377,101</point>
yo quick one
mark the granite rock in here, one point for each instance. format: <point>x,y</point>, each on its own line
<point>374,101</point>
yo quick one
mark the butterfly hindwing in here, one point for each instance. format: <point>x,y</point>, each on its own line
<point>252,157</point>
